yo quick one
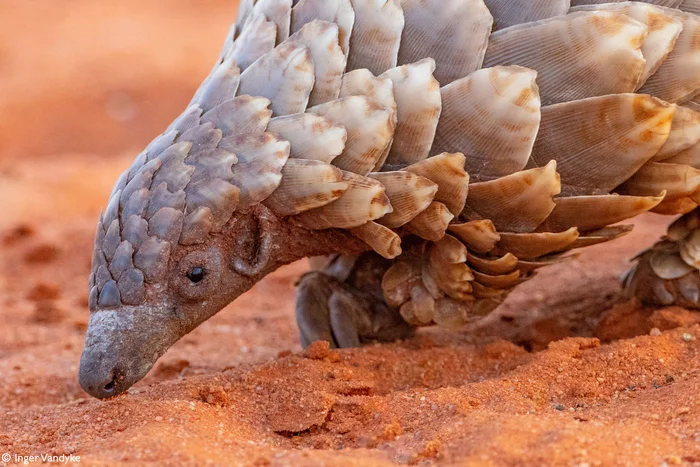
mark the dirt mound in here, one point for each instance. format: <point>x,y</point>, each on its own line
<point>567,372</point>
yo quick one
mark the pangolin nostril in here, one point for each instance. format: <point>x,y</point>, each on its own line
<point>110,386</point>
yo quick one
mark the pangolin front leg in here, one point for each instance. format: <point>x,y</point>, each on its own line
<point>343,304</point>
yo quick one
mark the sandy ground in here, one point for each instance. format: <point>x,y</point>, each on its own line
<point>567,372</point>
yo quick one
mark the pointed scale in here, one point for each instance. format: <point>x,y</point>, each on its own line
<point>595,212</point>
<point>454,33</point>
<point>678,78</point>
<point>664,30</point>
<point>284,75</point>
<point>369,131</point>
<point>410,194</point>
<point>515,203</point>
<point>376,35</point>
<point>596,154</point>
<point>339,12</point>
<point>311,136</point>
<point>363,201</point>
<point>418,103</point>
<point>576,56</point>
<point>500,106</point>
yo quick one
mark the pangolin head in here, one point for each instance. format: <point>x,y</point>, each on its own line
<point>168,253</point>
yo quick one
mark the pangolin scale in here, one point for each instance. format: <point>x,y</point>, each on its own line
<point>430,155</point>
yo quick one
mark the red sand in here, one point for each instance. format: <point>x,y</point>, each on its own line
<point>84,86</point>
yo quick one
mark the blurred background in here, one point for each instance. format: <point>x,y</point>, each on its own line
<point>100,77</point>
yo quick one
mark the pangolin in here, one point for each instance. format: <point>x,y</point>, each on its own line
<point>430,155</point>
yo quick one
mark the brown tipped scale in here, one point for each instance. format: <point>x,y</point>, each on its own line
<point>380,89</point>
<point>376,35</point>
<point>508,13</point>
<point>603,235</point>
<point>678,180</point>
<point>306,185</point>
<point>432,223</point>
<point>663,31</point>
<point>418,104</point>
<point>284,75</point>
<point>594,154</point>
<point>311,136</point>
<point>447,266</point>
<point>256,39</point>
<point>515,203</point>
<point>410,194</point>
<point>499,282</point>
<point>530,246</point>
<point>321,38</point>
<point>332,11</point>
<point>500,106</point>
<point>495,267</point>
<point>480,236</point>
<point>453,32</point>
<point>258,171</point>
<point>678,78</point>
<point>220,86</point>
<point>568,50</point>
<point>685,134</point>
<point>382,239</point>
<point>529,267</point>
<point>241,115</point>
<point>690,156</point>
<point>369,128</point>
<point>278,12</point>
<point>363,201</point>
<point>364,83</point>
<point>595,212</point>
<point>447,171</point>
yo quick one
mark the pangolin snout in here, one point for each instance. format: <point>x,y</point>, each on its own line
<point>121,347</point>
<point>100,383</point>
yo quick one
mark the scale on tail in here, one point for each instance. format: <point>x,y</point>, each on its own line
<point>429,164</point>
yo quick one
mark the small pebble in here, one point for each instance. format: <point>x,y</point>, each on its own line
<point>687,337</point>
<point>214,395</point>
<point>655,332</point>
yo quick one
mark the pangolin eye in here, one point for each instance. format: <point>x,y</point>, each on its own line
<point>196,274</point>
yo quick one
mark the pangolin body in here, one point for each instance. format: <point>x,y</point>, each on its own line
<point>442,151</point>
